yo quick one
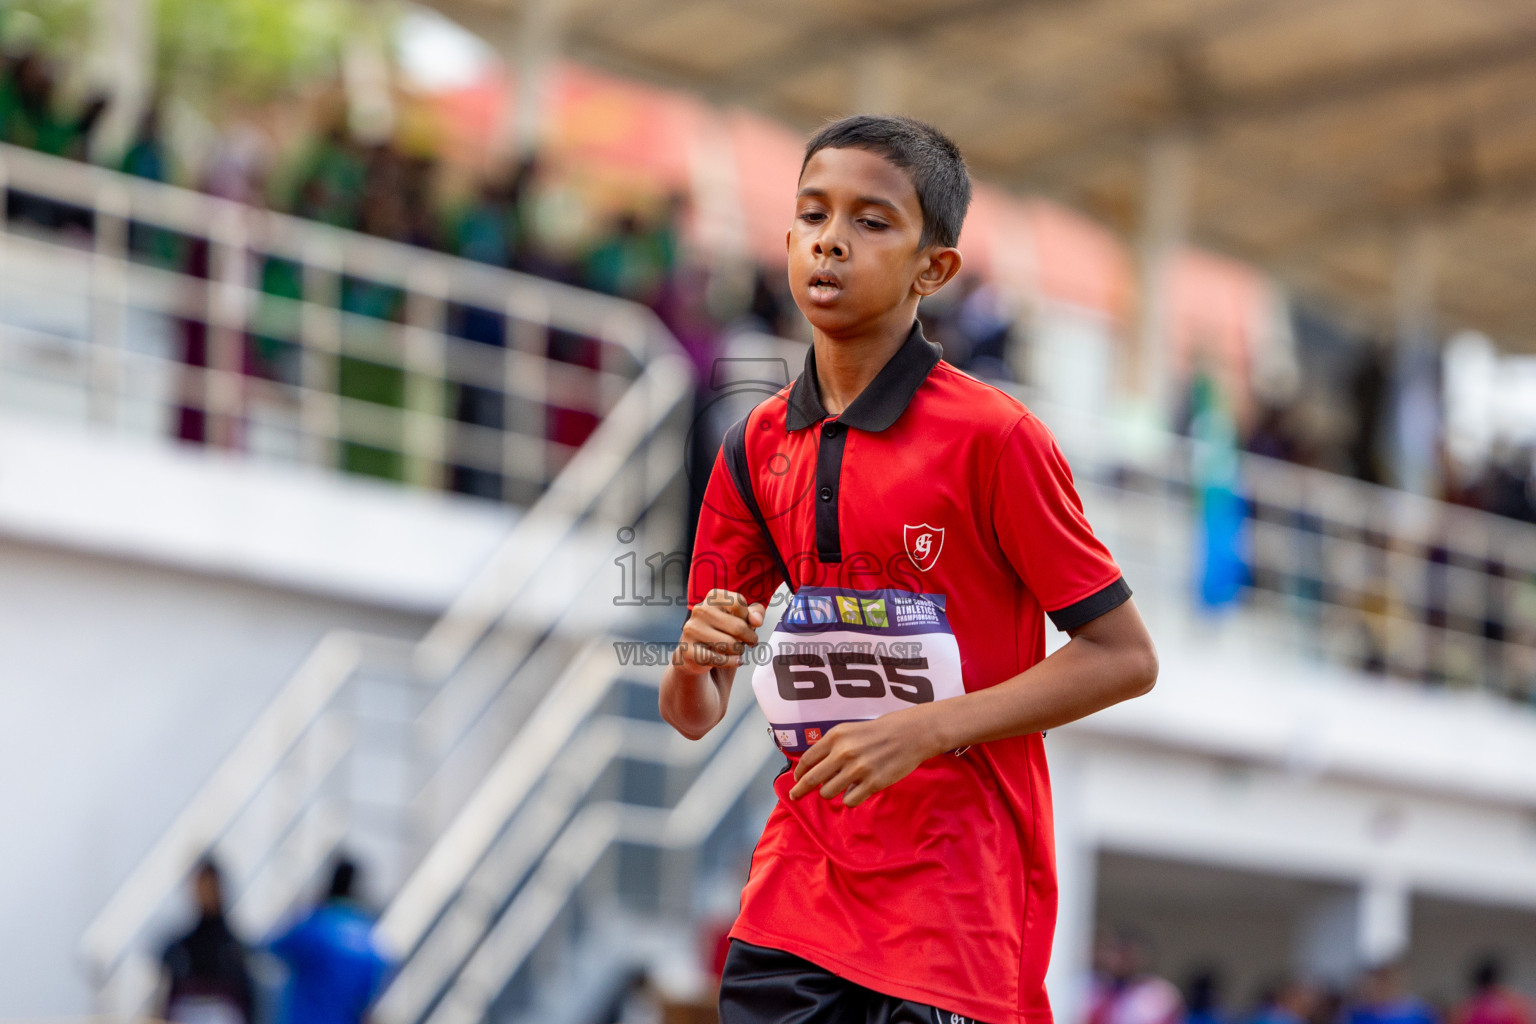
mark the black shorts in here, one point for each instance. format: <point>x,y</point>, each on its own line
<point>769,986</point>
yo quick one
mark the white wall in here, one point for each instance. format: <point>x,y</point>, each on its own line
<point>153,598</point>
<point>121,686</point>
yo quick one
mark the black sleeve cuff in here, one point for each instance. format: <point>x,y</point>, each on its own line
<point>1091,607</point>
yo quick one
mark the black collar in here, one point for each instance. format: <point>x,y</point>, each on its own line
<point>878,405</point>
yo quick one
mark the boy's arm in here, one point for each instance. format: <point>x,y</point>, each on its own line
<point>1108,660</point>
<point>696,686</point>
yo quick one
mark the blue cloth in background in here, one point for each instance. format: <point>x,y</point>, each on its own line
<point>1406,1010</point>
<point>1223,567</point>
<point>335,967</point>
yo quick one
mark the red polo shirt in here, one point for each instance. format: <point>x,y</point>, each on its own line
<point>942,887</point>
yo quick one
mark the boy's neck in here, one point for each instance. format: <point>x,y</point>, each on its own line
<point>846,364</point>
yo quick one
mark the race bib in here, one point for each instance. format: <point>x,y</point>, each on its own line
<point>852,655</point>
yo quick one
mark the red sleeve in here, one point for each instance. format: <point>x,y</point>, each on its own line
<point>1040,525</point>
<point>729,551</point>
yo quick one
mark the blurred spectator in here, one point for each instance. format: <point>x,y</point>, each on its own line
<point>31,114</point>
<point>541,222</point>
<point>771,311</point>
<point>1327,1006</point>
<point>1202,999</point>
<point>1383,999</point>
<point>335,967</point>
<point>987,328</point>
<point>630,261</point>
<point>1491,1002</point>
<point>635,1002</point>
<point>1507,487</point>
<point>1290,1002</point>
<point>206,977</point>
<point>330,179</point>
<point>483,229</point>
<point>1125,991</point>
<point>147,156</point>
<point>236,168</point>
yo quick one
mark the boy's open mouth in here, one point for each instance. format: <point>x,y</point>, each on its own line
<point>824,286</point>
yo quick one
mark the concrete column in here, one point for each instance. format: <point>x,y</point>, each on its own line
<point>365,71</point>
<point>1415,424</point>
<point>532,46</point>
<point>1076,881</point>
<point>1353,930</point>
<point>1382,933</point>
<point>1164,227</point>
<point>122,64</point>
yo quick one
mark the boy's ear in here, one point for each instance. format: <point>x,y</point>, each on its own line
<point>941,264</point>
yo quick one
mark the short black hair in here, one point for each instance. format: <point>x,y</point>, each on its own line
<point>931,160</point>
<point>1488,973</point>
<point>343,878</point>
<point>208,867</point>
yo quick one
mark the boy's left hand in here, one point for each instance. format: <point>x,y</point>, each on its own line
<point>859,759</point>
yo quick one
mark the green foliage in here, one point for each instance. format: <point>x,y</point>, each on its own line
<point>253,50</point>
<point>60,27</point>
<point>250,49</point>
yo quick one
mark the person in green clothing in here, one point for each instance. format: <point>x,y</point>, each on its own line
<point>630,261</point>
<point>30,115</point>
<point>330,180</point>
<point>147,157</point>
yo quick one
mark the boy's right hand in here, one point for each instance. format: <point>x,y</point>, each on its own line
<point>720,628</point>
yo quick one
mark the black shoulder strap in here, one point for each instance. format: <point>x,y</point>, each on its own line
<point>735,451</point>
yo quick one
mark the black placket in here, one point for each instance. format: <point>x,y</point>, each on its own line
<point>876,408</point>
<point>829,470</point>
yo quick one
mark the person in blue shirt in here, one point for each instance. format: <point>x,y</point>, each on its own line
<point>335,966</point>
<point>1384,999</point>
<point>1290,1001</point>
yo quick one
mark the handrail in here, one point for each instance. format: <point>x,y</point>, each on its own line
<point>565,706</point>
<point>307,370</point>
<point>476,609</point>
<point>305,241</point>
<point>563,731</point>
<point>223,796</point>
<point>577,850</point>
<point>662,384</point>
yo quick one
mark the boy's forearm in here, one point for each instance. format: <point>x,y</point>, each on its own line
<point>1075,682</point>
<point>692,702</point>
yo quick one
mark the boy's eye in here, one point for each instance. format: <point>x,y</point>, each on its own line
<point>874,225</point>
<point>812,215</point>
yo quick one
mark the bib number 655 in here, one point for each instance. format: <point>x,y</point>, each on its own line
<point>854,675</point>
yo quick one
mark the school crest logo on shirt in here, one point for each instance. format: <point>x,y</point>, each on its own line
<point>923,544</point>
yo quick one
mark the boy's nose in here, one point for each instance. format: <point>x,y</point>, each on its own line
<point>834,248</point>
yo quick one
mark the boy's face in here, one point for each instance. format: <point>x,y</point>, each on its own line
<point>854,255</point>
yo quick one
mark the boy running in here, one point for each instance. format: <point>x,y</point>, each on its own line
<point>926,523</point>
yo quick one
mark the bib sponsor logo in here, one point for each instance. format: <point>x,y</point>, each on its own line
<point>848,607</point>
<point>924,543</point>
<point>845,656</point>
<point>874,612</point>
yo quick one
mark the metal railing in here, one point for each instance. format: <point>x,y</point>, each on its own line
<point>483,899</point>
<point>143,307</point>
<point>281,801</point>
<point>490,807</point>
<point>1392,584</point>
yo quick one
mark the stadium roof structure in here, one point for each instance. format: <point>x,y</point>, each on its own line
<point>1319,134</point>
